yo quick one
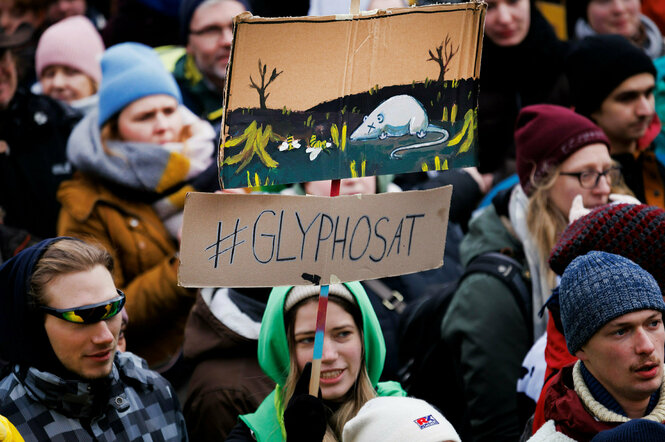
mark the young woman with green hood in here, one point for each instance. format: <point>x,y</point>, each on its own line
<point>353,357</point>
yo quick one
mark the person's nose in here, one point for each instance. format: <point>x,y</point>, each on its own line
<point>329,353</point>
<point>161,122</point>
<point>618,6</point>
<point>503,14</point>
<point>645,106</point>
<point>643,342</point>
<point>603,186</point>
<point>102,334</point>
<point>59,80</point>
<point>226,37</point>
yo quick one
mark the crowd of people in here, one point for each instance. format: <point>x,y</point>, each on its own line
<point>110,112</point>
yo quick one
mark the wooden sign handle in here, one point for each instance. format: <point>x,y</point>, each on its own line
<point>321,310</point>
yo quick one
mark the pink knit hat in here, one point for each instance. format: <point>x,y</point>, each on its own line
<point>72,42</point>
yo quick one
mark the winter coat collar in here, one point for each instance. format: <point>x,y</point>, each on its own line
<point>600,393</point>
<point>651,133</point>
<point>81,399</point>
<point>601,412</point>
<point>84,193</point>
<point>577,414</point>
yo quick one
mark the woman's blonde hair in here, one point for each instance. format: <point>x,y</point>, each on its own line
<point>361,392</point>
<point>546,222</point>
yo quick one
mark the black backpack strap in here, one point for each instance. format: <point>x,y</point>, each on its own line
<point>391,299</point>
<point>510,272</point>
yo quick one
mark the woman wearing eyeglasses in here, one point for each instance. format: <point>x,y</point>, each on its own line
<point>65,380</point>
<point>136,157</point>
<point>560,154</point>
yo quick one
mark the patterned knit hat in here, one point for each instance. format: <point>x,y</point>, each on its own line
<point>599,287</point>
<point>56,47</point>
<point>545,136</point>
<point>131,71</point>
<point>598,64</point>
<point>635,231</point>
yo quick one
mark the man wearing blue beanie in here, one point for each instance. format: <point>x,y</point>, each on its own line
<point>612,317</point>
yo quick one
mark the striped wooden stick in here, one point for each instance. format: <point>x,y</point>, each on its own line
<point>321,310</point>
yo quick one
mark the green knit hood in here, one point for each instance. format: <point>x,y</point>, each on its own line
<point>274,348</point>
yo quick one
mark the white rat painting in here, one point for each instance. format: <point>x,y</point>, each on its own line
<point>396,117</point>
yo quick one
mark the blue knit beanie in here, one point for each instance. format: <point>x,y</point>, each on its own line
<point>599,287</point>
<point>131,71</point>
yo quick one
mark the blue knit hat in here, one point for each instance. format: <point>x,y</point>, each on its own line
<point>131,71</point>
<point>599,287</point>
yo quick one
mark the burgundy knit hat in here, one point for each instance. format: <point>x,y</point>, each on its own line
<point>634,231</point>
<point>545,136</point>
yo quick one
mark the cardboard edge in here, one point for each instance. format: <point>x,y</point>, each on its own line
<point>247,17</point>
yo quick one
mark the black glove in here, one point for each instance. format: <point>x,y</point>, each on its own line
<point>305,416</point>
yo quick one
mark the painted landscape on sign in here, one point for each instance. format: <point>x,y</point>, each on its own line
<point>366,114</point>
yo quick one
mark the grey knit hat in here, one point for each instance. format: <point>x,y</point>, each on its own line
<point>301,292</point>
<point>599,287</point>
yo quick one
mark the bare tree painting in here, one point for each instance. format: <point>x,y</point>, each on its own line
<point>444,53</point>
<point>263,70</point>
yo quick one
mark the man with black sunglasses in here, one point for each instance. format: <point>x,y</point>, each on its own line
<point>65,379</point>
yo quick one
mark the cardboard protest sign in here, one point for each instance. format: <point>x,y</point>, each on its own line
<point>313,98</point>
<point>237,240</point>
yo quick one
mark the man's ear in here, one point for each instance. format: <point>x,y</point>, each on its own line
<point>581,355</point>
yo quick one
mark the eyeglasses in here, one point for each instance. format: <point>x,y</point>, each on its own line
<point>589,179</point>
<point>212,32</point>
<point>89,314</point>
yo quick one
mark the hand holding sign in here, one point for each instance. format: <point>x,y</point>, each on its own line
<point>305,414</point>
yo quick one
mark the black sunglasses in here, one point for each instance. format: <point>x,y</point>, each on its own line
<point>89,314</point>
